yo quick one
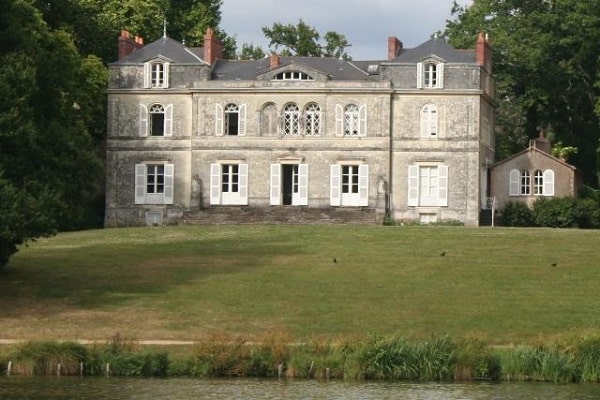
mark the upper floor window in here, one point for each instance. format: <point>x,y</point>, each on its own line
<point>154,183</point>
<point>156,120</point>
<point>312,119</point>
<point>430,75</point>
<point>156,74</point>
<point>351,120</point>
<point>521,184</point>
<point>429,121</point>
<point>293,76</point>
<point>268,119</point>
<point>291,119</point>
<point>230,120</point>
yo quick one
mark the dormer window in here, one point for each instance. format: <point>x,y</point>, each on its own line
<point>430,75</point>
<point>156,74</point>
<point>293,76</point>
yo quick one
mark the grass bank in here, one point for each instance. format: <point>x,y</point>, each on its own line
<point>499,286</point>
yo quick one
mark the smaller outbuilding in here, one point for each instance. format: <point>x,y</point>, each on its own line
<point>532,174</point>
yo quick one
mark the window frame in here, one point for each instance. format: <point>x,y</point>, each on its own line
<point>300,184</point>
<point>312,119</point>
<point>142,173</point>
<point>342,120</point>
<point>222,115</point>
<point>239,196</point>
<point>156,74</point>
<point>340,197</point>
<point>146,120</point>
<point>415,196</point>
<point>290,121</point>
<point>430,74</point>
<point>429,121</point>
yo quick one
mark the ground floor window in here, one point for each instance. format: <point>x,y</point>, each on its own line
<point>154,183</point>
<point>289,184</point>
<point>349,185</point>
<point>428,185</point>
<point>229,184</point>
<point>522,184</point>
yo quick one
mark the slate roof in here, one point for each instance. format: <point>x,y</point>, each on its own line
<point>166,47</point>
<point>436,47</point>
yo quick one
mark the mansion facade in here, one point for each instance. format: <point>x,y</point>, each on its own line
<point>194,137</point>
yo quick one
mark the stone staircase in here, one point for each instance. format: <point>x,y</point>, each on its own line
<point>215,215</point>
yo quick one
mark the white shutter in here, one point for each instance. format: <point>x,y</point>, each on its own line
<point>442,186</point>
<point>169,183</point>
<point>513,187</point>
<point>413,185</point>
<point>362,120</point>
<point>548,182</point>
<point>425,121</point>
<point>165,75</point>
<point>143,120</point>
<point>169,120</point>
<point>147,75</point>
<point>339,120</point>
<point>302,185</point>
<point>335,195</point>
<point>215,184</point>
<point>419,75</point>
<point>218,120</point>
<point>275,188</point>
<point>242,120</point>
<point>363,185</point>
<point>140,183</point>
<point>243,175</point>
<point>439,73</point>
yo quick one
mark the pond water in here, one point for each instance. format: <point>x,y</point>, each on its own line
<point>59,388</point>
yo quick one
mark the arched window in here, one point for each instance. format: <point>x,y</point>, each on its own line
<point>351,120</point>
<point>268,121</point>
<point>525,186</point>
<point>232,119</point>
<point>429,121</point>
<point>538,182</point>
<point>291,119</point>
<point>293,76</point>
<point>157,120</point>
<point>312,120</point>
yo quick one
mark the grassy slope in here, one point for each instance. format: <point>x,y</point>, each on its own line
<point>186,282</point>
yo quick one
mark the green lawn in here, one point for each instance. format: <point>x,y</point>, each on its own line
<point>187,282</point>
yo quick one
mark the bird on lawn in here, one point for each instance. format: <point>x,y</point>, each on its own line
<point>334,260</point>
<point>442,254</point>
<point>553,264</point>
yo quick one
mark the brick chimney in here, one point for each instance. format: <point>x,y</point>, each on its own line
<point>394,47</point>
<point>275,60</point>
<point>484,52</point>
<point>213,48</point>
<point>128,45</point>
<point>541,142</point>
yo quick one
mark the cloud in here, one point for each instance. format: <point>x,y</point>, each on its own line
<point>366,24</point>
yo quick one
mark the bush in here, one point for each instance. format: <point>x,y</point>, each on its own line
<point>555,212</point>
<point>517,214</point>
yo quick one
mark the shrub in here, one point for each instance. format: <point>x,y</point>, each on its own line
<point>517,214</point>
<point>475,361</point>
<point>43,358</point>
<point>555,212</point>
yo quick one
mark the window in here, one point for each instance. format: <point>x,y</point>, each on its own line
<point>525,183</point>
<point>230,121</point>
<point>428,185</point>
<point>312,120</point>
<point>429,121</point>
<point>229,184</point>
<point>521,183</point>
<point>430,75</point>
<point>156,74</point>
<point>156,120</point>
<point>289,184</point>
<point>291,119</point>
<point>351,120</point>
<point>349,185</point>
<point>154,183</point>
<point>293,76</point>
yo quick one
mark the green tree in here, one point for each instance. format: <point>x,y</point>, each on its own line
<point>302,40</point>
<point>49,168</point>
<point>251,52</point>
<point>546,65</point>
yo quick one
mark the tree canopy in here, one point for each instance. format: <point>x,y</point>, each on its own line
<point>547,69</point>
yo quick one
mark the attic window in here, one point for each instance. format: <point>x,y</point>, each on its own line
<point>293,76</point>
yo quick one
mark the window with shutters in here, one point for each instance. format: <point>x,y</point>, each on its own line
<point>229,184</point>
<point>231,120</point>
<point>156,74</point>
<point>351,120</point>
<point>349,185</point>
<point>156,120</point>
<point>430,75</point>
<point>429,121</point>
<point>289,184</point>
<point>428,186</point>
<point>523,183</point>
<point>154,183</point>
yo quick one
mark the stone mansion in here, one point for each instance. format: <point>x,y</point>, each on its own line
<point>193,137</point>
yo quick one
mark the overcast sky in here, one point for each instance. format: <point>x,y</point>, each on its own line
<point>366,23</point>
